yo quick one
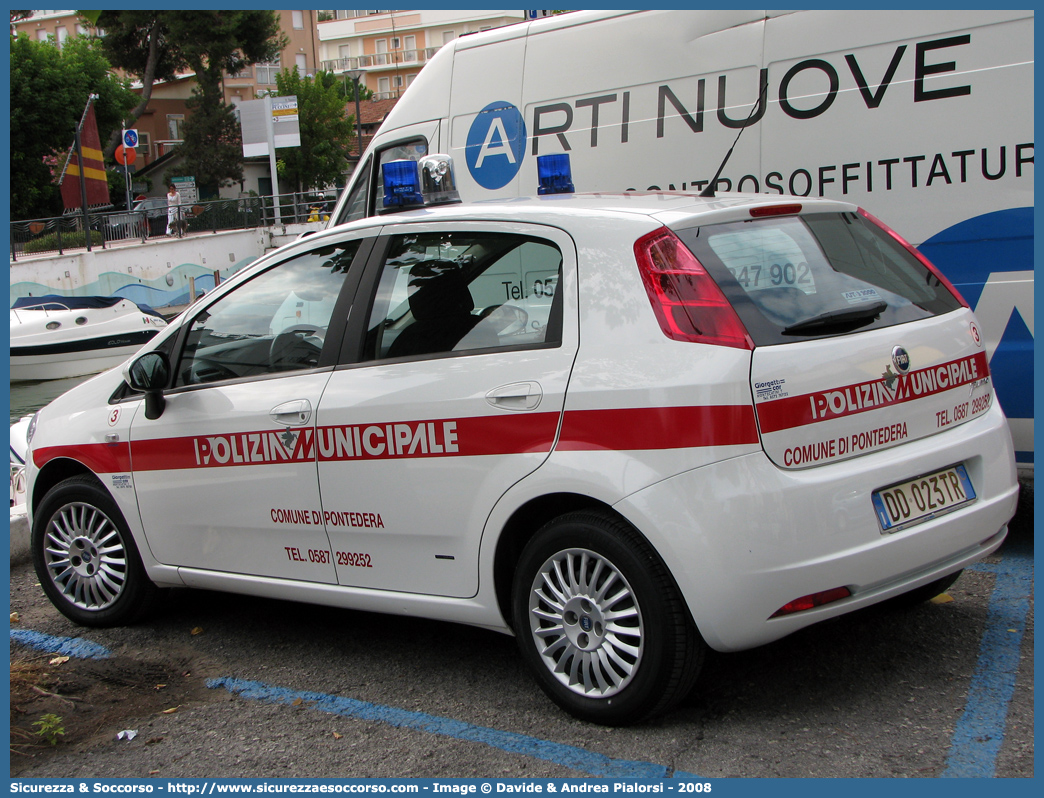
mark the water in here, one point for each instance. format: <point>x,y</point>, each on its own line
<point>28,397</point>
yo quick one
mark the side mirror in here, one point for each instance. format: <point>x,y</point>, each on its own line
<point>150,374</point>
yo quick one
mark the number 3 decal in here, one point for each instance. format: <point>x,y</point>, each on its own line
<point>114,416</point>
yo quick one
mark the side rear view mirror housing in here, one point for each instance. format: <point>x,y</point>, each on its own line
<point>150,374</point>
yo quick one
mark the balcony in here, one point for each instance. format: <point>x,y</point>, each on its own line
<point>378,61</point>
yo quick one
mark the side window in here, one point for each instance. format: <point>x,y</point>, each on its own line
<point>355,207</point>
<point>465,292</point>
<point>412,150</point>
<point>274,323</point>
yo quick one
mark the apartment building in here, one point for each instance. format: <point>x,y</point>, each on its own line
<point>387,49</point>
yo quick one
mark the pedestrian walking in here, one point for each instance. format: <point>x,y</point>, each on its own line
<point>173,210</point>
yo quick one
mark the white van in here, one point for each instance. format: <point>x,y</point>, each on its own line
<point>925,118</point>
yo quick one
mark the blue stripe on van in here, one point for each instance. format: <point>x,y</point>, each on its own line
<point>968,253</point>
<point>971,250</point>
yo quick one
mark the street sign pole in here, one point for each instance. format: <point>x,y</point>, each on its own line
<point>126,171</point>
<point>270,131</point>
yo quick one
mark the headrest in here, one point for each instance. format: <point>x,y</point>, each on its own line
<point>439,291</point>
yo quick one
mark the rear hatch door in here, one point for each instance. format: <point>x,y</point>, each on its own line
<point>859,346</point>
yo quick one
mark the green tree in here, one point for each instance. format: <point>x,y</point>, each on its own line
<point>157,45</point>
<point>326,132</point>
<point>215,43</point>
<point>346,90</point>
<point>139,43</point>
<point>49,90</point>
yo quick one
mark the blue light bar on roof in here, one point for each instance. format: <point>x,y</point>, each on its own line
<point>554,175</point>
<point>401,184</point>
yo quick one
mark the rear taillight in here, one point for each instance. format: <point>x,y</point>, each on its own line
<point>812,600</point>
<point>687,302</point>
<point>917,254</point>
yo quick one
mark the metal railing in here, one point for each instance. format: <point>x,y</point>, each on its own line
<point>393,58</point>
<point>63,234</point>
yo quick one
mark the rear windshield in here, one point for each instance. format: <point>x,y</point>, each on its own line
<point>792,278</point>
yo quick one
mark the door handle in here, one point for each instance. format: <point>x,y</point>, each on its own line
<point>292,413</point>
<point>516,396</point>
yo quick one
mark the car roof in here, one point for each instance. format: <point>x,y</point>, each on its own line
<point>675,209</point>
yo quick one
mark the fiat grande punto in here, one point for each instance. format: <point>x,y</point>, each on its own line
<point>624,428</point>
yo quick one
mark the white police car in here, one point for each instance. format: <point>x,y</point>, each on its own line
<point>624,427</point>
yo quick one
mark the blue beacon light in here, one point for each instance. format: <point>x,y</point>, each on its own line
<point>401,185</point>
<point>554,175</point>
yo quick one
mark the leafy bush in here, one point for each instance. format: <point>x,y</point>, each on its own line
<point>70,240</point>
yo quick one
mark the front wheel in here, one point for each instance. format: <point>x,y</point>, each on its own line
<point>600,622</point>
<point>85,557</point>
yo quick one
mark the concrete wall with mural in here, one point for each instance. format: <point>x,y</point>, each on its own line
<point>155,273</point>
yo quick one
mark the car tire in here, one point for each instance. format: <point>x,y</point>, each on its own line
<point>615,657</point>
<point>85,556</point>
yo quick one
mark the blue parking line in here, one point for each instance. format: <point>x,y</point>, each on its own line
<point>979,733</point>
<point>566,755</point>
<point>65,646</point>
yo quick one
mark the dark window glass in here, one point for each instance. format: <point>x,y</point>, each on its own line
<point>464,292</point>
<point>274,323</point>
<point>827,274</point>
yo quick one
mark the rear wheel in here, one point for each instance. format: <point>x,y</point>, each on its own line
<point>85,556</point>
<point>600,622</point>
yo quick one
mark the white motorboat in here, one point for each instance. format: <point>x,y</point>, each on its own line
<point>19,445</point>
<point>53,337</point>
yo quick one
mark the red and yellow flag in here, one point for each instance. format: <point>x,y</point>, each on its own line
<point>93,168</point>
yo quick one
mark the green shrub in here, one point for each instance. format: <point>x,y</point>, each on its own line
<point>70,240</point>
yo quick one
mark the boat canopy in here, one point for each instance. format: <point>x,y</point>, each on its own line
<point>58,302</point>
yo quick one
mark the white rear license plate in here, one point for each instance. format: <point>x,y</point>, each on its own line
<point>923,498</point>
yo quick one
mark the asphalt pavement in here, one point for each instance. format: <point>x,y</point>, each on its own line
<point>290,690</point>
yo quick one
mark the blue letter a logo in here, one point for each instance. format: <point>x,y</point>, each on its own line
<point>496,145</point>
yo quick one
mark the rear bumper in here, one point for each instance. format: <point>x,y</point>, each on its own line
<point>743,537</point>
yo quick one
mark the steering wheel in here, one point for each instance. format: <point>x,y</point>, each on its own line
<point>506,319</point>
<point>295,347</point>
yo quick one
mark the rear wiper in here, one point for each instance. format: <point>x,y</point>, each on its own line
<point>844,316</point>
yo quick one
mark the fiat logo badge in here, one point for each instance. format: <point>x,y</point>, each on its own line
<point>901,360</point>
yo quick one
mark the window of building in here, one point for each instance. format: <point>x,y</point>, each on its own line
<point>302,64</point>
<point>143,144</point>
<point>448,36</point>
<point>266,73</point>
<point>176,127</point>
<point>298,19</point>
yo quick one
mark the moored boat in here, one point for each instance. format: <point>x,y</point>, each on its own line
<point>53,337</point>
